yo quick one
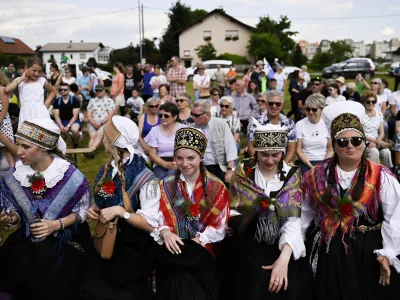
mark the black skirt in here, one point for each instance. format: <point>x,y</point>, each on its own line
<point>46,270</point>
<point>127,274</point>
<point>353,275</point>
<point>189,275</point>
<point>244,277</point>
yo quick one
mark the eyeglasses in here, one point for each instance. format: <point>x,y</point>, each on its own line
<point>374,82</point>
<point>277,104</point>
<point>98,91</point>
<point>260,101</point>
<point>355,141</point>
<point>316,84</point>
<point>216,94</point>
<point>371,102</point>
<point>197,115</point>
<point>224,106</point>
<point>63,90</point>
<point>153,106</point>
<point>165,116</point>
<point>314,110</point>
<point>180,100</point>
<point>201,69</point>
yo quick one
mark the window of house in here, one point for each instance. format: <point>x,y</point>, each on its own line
<point>186,53</point>
<point>82,56</point>
<point>207,34</point>
<point>231,33</point>
<point>71,56</point>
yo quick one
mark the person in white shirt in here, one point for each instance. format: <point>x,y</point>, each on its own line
<point>136,103</point>
<point>156,81</point>
<point>305,75</point>
<point>313,140</point>
<point>335,95</point>
<point>353,205</point>
<point>201,84</point>
<point>280,79</point>
<point>265,221</point>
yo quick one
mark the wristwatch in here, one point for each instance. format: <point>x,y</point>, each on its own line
<point>127,215</point>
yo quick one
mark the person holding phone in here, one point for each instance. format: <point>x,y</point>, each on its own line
<point>48,199</point>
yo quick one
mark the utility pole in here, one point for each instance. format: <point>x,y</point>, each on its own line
<point>142,27</point>
<point>140,33</point>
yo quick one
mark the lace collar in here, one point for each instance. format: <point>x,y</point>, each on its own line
<point>52,175</point>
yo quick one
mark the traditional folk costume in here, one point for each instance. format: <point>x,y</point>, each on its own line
<point>347,235</point>
<point>188,213</point>
<point>126,275</point>
<point>265,215</point>
<point>48,268</point>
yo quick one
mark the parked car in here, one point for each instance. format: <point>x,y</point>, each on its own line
<point>210,67</point>
<point>349,70</point>
<point>393,67</point>
<point>357,59</point>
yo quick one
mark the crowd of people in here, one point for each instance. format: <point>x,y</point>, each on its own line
<point>311,210</point>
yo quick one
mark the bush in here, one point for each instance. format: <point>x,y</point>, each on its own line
<point>236,59</point>
<point>106,67</point>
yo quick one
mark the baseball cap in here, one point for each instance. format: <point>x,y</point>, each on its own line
<point>259,62</point>
<point>99,87</point>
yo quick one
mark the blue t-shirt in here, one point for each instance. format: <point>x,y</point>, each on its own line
<point>397,70</point>
<point>84,81</point>
<point>147,90</point>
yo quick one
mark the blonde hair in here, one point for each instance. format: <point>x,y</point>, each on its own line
<point>3,79</point>
<point>351,87</point>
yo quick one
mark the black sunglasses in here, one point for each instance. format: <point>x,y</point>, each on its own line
<point>98,91</point>
<point>374,83</point>
<point>355,141</point>
<point>63,90</point>
<point>153,106</point>
<point>260,101</point>
<point>224,106</point>
<point>216,94</point>
<point>277,104</point>
<point>316,84</point>
<point>369,102</point>
<point>201,68</point>
<point>197,115</point>
<point>314,110</point>
<point>180,100</point>
<point>165,116</point>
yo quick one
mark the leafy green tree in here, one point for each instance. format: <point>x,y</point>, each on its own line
<point>340,51</point>
<point>265,45</point>
<point>206,52</point>
<point>126,56</point>
<point>298,58</point>
<point>180,16</point>
<point>321,60</point>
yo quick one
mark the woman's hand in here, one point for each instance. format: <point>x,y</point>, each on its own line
<point>44,228</point>
<point>372,145</point>
<point>7,217</point>
<point>170,165</point>
<point>384,278</point>
<point>110,213</point>
<point>94,212</point>
<point>278,276</point>
<point>171,241</point>
<point>228,176</point>
<point>228,230</point>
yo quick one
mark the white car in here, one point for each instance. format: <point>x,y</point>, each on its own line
<point>289,70</point>
<point>210,67</point>
<point>393,67</point>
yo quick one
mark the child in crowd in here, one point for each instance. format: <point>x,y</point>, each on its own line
<point>136,103</point>
<point>264,80</point>
<point>31,93</point>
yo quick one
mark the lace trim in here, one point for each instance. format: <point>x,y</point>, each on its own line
<point>52,175</point>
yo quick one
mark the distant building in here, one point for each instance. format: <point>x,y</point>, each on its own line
<point>384,49</point>
<point>78,53</point>
<point>227,34</point>
<point>308,49</point>
<point>359,49</point>
<point>13,46</point>
<point>324,46</point>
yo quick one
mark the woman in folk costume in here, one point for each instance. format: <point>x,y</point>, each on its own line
<point>194,207</point>
<point>48,198</point>
<point>265,247</point>
<point>124,188</point>
<point>354,205</point>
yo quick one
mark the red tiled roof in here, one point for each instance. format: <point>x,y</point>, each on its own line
<point>19,48</point>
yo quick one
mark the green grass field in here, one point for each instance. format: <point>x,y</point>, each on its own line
<point>90,167</point>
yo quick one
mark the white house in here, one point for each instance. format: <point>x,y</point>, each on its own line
<point>78,53</point>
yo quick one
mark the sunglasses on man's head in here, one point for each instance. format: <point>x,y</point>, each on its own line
<point>314,110</point>
<point>277,104</point>
<point>165,116</point>
<point>198,115</point>
<point>224,106</point>
<point>355,141</point>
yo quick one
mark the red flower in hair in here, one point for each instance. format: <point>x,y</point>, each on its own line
<point>194,210</point>
<point>346,210</point>
<point>264,204</point>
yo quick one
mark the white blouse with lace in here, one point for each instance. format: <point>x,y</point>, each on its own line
<point>390,199</point>
<point>52,175</point>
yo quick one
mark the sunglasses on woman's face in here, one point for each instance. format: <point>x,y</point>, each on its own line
<point>224,106</point>
<point>180,100</point>
<point>153,106</point>
<point>165,116</point>
<point>216,94</point>
<point>374,82</point>
<point>371,102</point>
<point>201,69</point>
<point>277,104</point>
<point>260,101</point>
<point>355,141</point>
<point>314,110</point>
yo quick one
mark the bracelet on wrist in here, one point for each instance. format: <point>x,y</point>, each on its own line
<point>62,224</point>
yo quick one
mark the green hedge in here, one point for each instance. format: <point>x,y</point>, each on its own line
<point>236,59</point>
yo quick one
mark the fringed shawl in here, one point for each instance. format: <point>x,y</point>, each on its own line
<point>246,197</point>
<point>328,219</point>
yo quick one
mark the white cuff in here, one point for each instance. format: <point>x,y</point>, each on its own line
<point>203,239</point>
<point>156,235</point>
<point>390,254</point>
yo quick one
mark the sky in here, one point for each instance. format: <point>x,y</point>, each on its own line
<point>115,23</point>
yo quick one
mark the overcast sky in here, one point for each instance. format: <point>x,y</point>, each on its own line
<point>115,23</point>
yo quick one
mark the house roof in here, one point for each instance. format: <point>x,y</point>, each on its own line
<point>70,47</point>
<point>219,11</point>
<point>106,50</point>
<point>14,46</point>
